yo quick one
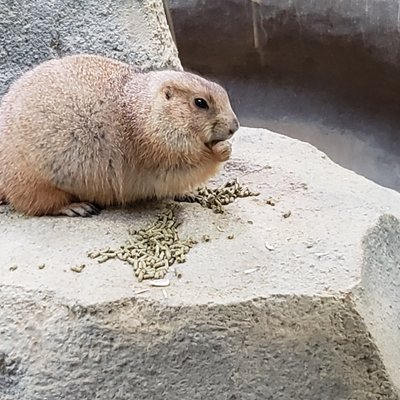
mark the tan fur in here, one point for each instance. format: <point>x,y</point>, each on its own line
<point>89,129</point>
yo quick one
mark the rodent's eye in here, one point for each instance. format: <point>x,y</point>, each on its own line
<point>201,103</point>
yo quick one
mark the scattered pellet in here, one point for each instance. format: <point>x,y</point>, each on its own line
<point>13,267</point>
<point>231,236</point>
<point>160,283</point>
<point>178,273</point>
<point>41,266</point>
<point>287,214</point>
<point>78,268</point>
<point>151,250</point>
<point>103,258</point>
<point>216,198</point>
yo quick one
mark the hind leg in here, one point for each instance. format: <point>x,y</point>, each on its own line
<point>43,198</point>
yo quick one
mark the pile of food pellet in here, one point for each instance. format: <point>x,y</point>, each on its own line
<point>216,198</point>
<point>151,251</point>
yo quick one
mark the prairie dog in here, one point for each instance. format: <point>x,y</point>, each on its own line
<point>85,130</point>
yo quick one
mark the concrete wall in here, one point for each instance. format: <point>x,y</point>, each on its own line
<point>284,34</point>
<point>325,72</point>
<point>134,31</point>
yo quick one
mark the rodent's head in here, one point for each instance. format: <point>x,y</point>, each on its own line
<point>195,108</point>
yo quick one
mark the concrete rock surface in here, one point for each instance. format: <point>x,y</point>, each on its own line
<point>281,348</point>
<point>132,31</point>
<point>266,315</point>
<point>379,296</point>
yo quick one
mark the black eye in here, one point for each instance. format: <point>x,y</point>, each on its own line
<point>201,103</point>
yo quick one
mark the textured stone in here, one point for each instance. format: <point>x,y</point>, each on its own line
<point>315,251</point>
<point>286,329</point>
<point>131,31</point>
<point>245,321</point>
<point>380,289</point>
<point>280,348</point>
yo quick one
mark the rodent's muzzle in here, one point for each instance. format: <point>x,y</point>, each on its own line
<point>223,131</point>
<point>226,130</point>
<point>234,126</point>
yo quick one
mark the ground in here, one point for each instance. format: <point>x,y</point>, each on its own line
<point>297,270</point>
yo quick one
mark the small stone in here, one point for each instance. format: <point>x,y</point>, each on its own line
<point>141,291</point>
<point>269,246</point>
<point>251,270</point>
<point>159,283</point>
<point>206,238</point>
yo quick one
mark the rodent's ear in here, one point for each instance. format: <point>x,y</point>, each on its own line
<point>168,91</point>
<point>172,88</point>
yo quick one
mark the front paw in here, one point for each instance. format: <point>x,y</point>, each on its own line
<point>222,150</point>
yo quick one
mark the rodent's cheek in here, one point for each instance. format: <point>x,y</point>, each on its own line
<point>206,134</point>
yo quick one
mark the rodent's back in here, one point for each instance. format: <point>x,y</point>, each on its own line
<point>62,118</point>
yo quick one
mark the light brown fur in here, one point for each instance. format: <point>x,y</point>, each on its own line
<point>89,129</point>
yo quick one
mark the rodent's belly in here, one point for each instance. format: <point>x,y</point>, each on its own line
<point>152,185</point>
<point>122,185</point>
<point>129,184</point>
<point>163,183</point>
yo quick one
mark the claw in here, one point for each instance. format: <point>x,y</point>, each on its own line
<point>80,210</point>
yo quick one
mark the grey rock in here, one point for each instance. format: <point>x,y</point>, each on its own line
<point>379,301</point>
<point>287,330</point>
<point>130,31</point>
<point>284,347</point>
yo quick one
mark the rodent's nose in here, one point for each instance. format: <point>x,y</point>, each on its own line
<point>234,126</point>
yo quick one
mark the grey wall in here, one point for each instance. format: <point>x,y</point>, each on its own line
<point>325,72</point>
